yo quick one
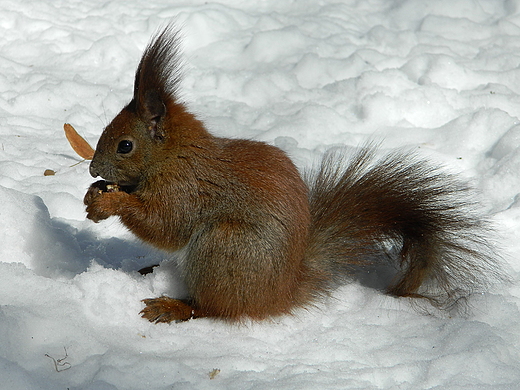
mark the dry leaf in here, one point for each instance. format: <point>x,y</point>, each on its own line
<point>49,172</point>
<point>78,143</point>
<point>213,373</point>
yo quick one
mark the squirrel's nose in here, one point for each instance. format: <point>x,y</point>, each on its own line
<point>93,171</point>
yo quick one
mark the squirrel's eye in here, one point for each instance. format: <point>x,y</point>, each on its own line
<point>125,146</point>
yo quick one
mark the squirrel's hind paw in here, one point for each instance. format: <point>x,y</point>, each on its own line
<point>165,309</point>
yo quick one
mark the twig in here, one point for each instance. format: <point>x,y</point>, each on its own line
<point>60,364</point>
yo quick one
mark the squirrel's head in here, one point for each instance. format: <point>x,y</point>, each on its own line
<point>125,149</point>
<point>136,137</point>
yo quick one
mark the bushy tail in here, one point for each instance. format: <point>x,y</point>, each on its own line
<point>404,210</point>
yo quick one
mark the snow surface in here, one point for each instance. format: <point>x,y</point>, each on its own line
<point>441,77</point>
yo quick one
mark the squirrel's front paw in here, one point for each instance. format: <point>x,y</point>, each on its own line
<point>101,201</point>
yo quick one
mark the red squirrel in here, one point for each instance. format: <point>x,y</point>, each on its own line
<point>260,241</point>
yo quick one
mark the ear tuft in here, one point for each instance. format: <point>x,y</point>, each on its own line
<point>157,78</point>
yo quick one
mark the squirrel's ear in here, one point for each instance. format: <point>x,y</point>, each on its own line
<point>152,110</point>
<point>157,79</point>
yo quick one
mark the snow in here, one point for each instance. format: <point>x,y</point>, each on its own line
<point>440,77</point>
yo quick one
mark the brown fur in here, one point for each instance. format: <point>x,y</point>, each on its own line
<point>259,241</point>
